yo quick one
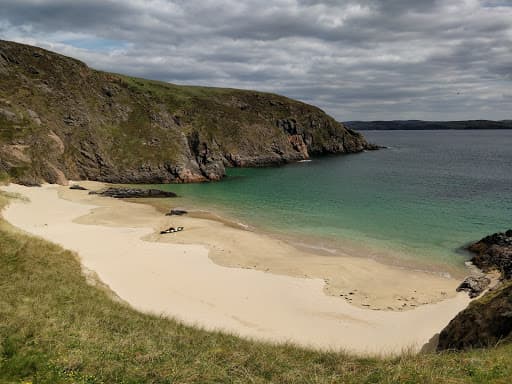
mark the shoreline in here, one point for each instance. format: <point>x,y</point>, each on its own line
<point>240,298</point>
<point>318,245</point>
<point>392,291</point>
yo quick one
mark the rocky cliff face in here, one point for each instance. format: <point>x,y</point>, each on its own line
<point>487,320</point>
<point>61,120</point>
<point>494,252</point>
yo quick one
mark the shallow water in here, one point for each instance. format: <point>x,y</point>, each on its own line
<point>424,197</point>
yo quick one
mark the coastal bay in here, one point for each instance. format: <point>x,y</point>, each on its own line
<point>175,276</point>
<point>416,203</point>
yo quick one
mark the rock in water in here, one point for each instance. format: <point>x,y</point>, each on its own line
<point>474,285</point>
<point>125,193</point>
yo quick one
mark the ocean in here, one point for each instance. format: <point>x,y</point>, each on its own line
<point>417,202</point>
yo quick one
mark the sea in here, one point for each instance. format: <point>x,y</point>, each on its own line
<point>416,203</point>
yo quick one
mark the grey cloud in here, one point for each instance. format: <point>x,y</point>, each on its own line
<point>366,59</point>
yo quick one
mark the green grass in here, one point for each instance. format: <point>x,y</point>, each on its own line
<point>57,328</point>
<point>175,96</point>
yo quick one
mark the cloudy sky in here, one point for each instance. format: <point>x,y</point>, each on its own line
<point>356,59</point>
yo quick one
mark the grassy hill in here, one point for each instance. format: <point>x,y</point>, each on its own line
<point>60,119</point>
<point>58,326</point>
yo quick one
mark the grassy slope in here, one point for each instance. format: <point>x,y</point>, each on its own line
<point>55,328</point>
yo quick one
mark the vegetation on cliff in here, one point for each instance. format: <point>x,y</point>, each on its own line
<point>61,120</point>
<point>488,320</point>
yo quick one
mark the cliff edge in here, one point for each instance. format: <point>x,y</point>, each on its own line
<point>60,120</point>
<point>486,321</point>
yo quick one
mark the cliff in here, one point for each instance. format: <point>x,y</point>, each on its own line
<point>488,320</point>
<point>484,323</point>
<point>60,119</point>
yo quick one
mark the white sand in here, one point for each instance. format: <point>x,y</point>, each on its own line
<point>181,281</point>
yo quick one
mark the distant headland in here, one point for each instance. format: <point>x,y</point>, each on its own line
<point>416,125</point>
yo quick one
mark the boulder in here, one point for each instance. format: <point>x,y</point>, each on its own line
<point>474,285</point>
<point>78,187</point>
<point>176,212</point>
<point>494,252</point>
<point>125,193</point>
<point>29,182</point>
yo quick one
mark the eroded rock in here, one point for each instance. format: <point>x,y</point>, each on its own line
<point>494,252</point>
<point>487,320</point>
<point>176,212</point>
<point>484,323</point>
<point>78,187</point>
<point>125,193</point>
<point>474,285</point>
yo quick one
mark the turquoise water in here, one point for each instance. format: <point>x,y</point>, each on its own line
<point>424,197</point>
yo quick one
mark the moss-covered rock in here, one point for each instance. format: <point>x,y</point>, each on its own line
<point>486,322</point>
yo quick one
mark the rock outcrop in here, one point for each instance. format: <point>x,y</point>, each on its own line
<point>60,119</point>
<point>487,320</point>
<point>130,193</point>
<point>78,187</point>
<point>176,212</point>
<point>494,252</point>
<point>474,285</point>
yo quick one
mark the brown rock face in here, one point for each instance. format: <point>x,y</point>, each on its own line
<point>61,120</point>
<point>474,285</point>
<point>484,323</point>
<point>487,320</point>
<point>494,252</point>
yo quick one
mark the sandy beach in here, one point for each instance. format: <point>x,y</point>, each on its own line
<point>220,277</point>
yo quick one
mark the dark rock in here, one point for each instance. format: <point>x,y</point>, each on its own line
<point>33,71</point>
<point>78,187</point>
<point>176,212</point>
<point>374,147</point>
<point>125,193</point>
<point>484,323</point>
<point>488,320</point>
<point>494,252</point>
<point>29,182</point>
<point>474,285</point>
<point>171,230</point>
<point>108,91</point>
